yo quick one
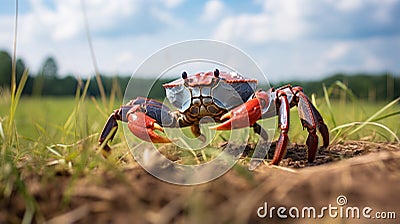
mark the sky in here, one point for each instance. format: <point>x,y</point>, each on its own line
<point>288,39</point>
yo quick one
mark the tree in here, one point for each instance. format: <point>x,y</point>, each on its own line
<point>49,68</point>
<point>47,74</point>
<point>5,69</point>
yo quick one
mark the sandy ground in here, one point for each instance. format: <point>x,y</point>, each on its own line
<point>367,174</point>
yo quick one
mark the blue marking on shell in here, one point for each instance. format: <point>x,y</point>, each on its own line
<point>230,95</point>
<point>179,96</point>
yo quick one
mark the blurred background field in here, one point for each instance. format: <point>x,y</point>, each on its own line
<point>38,114</point>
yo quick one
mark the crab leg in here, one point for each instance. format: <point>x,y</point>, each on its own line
<point>284,120</point>
<point>312,144</point>
<point>197,133</point>
<point>260,131</point>
<point>262,146</point>
<point>242,116</point>
<point>311,119</point>
<point>107,131</point>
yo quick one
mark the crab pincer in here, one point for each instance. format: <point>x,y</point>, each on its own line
<point>144,116</point>
<point>242,116</point>
<point>143,127</point>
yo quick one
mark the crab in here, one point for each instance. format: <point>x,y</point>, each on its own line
<point>230,99</point>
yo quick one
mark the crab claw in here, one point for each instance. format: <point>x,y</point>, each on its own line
<point>143,126</point>
<point>242,116</point>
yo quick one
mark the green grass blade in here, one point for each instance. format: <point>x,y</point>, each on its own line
<point>328,103</point>
<point>376,115</point>
<point>114,88</point>
<point>13,107</point>
<point>347,90</point>
<point>102,112</point>
<point>21,86</point>
<point>362,124</point>
<point>3,137</point>
<point>77,96</point>
<point>68,124</point>
<point>314,101</point>
<point>386,116</point>
<point>14,55</point>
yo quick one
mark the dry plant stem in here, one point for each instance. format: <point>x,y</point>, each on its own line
<point>93,55</point>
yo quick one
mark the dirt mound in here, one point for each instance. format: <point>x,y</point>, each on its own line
<point>365,173</point>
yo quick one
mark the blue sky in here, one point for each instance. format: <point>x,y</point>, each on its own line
<point>302,39</point>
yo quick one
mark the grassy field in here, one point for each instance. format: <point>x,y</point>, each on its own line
<point>43,122</point>
<point>52,148</point>
<point>47,117</point>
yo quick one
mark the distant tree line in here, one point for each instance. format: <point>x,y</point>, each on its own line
<point>47,82</point>
<point>374,87</point>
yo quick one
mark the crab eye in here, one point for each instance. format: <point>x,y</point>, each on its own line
<point>184,75</point>
<point>216,73</point>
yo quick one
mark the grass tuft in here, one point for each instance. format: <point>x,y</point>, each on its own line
<point>361,124</point>
<point>347,129</point>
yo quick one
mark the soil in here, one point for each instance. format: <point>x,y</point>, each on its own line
<point>366,173</point>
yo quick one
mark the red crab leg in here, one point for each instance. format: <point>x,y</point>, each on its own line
<point>312,144</point>
<point>283,115</point>
<point>311,119</point>
<point>143,126</point>
<point>242,116</point>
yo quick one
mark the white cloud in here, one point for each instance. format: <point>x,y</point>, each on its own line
<point>58,30</point>
<point>64,21</point>
<point>279,21</point>
<point>373,55</point>
<point>172,3</point>
<point>381,14</point>
<point>166,17</point>
<point>337,51</point>
<point>346,5</point>
<point>104,14</point>
<point>289,39</point>
<point>213,9</point>
<point>125,57</point>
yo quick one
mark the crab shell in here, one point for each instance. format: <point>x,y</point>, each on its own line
<point>225,90</point>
